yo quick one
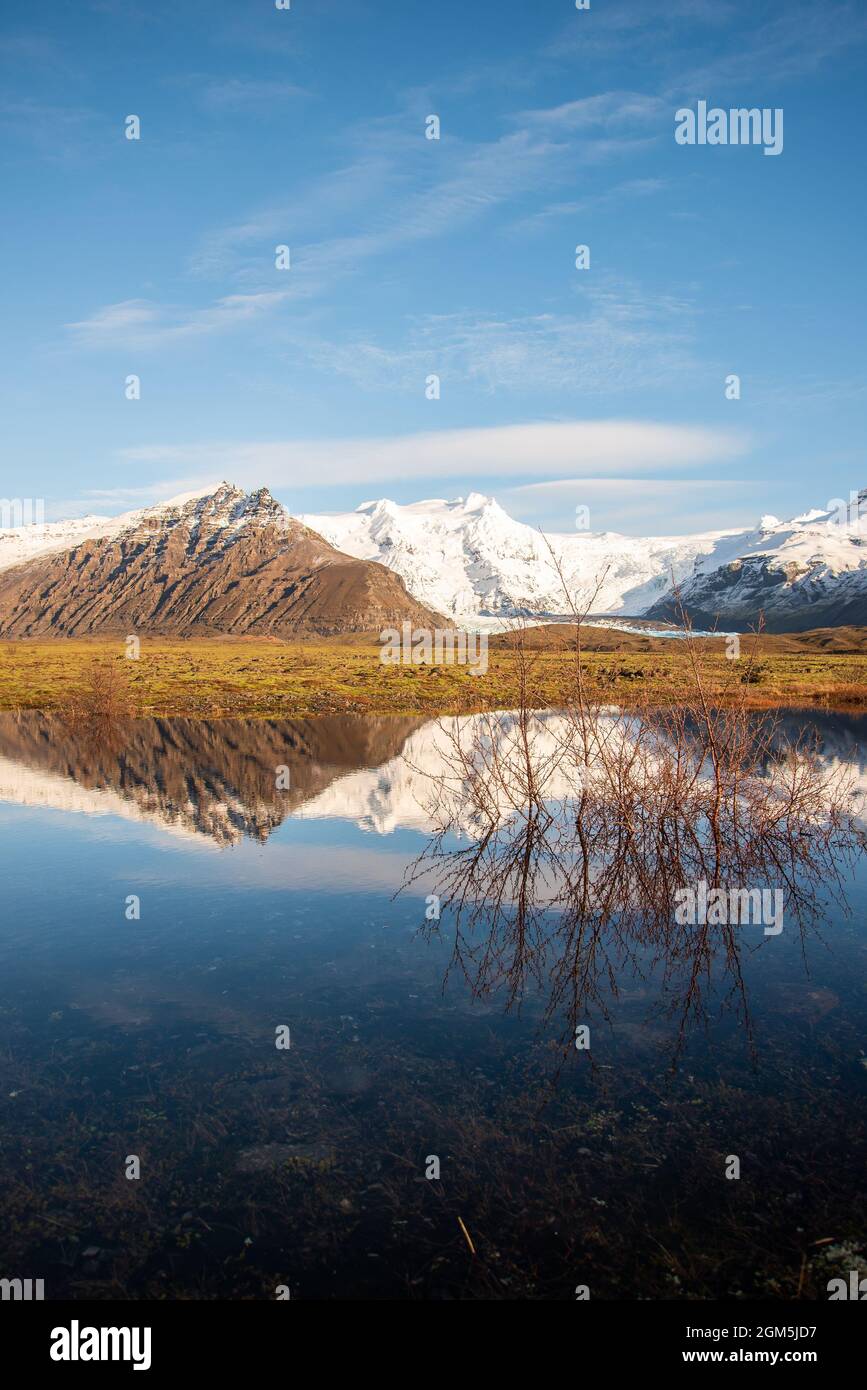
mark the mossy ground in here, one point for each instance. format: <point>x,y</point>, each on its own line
<point>274,678</point>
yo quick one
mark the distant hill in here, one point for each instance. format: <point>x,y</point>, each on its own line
<point>840,641</point>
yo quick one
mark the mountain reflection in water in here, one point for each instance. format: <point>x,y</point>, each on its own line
<point>218,778</point>
<point>215,778</point>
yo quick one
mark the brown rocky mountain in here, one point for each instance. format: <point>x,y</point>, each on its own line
<point>226,562</point>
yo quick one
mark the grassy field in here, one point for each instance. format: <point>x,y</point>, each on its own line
<point>274,678</point>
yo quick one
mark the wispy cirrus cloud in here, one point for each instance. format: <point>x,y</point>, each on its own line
<point>357,188</point>
<point>620,338</point>
<point>403,190</point>
<point>619,30</point>
<point>773,46</point>
<point>610,487</point>
<point>608,197</point>
<point>792,44</point>
<point>480,178</point>
<point>609,111</point>
<point>486,177</point>
<point>142,323</point>
<point>475,180</point>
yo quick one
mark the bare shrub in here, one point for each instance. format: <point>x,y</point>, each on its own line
<point>103,698</point>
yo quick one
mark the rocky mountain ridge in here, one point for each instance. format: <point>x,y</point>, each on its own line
<point>221,562</point>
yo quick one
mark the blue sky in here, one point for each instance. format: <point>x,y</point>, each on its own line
<point>411,257</point>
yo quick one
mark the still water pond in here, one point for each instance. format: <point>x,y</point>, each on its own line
<point>167,908</point>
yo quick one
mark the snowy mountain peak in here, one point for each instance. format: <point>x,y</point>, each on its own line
<point>477,502</point>
<point>185,498</point>
<point>225,510</point>
<point>469,558</point>
<point>221,508</point>
<point>810,571</point>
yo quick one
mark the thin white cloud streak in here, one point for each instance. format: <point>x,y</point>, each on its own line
<point>606,110</point>
<point>620,340</point>
<point>753,48</point>
<point>483,177</point>
<point>384,180</point>
<point>622,192</point>
<point>486,176</point>
<point>791,45</point>
<point>347,191</point>
<point>507,451</point>
<point>141,323</point>
<point>397,200</point>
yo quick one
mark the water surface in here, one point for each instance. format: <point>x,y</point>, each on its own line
<point>266,905</point>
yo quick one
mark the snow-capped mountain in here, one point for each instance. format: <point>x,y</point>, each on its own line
<point>469,559</point>
<point>804,573</point>
<point>466,558</point>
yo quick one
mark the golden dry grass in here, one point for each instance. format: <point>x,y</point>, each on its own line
<point>275,678</point>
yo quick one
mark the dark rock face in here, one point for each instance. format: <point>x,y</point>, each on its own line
<point>229,563</point>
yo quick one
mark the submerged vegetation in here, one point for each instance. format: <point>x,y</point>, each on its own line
<point>313,1177</point>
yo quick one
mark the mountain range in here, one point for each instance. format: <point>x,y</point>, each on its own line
<point>470,559</point>
<point>226,561</point>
